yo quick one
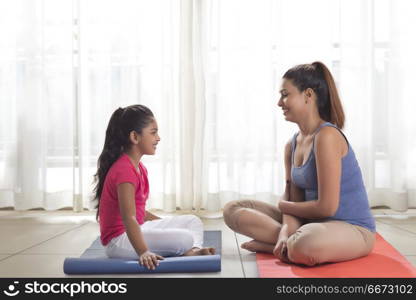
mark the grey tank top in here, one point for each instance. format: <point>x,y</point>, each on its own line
<point>353,202</point>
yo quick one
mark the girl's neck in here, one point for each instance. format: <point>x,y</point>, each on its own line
<point>135,157</point>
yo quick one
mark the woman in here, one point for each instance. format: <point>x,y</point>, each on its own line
<point>324,215</point>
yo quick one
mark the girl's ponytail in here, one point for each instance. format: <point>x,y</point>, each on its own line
<point>113,147</point>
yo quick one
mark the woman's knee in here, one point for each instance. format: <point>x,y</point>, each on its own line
<point>230,207</point>
<point>303,249</point>
<point>369,240</point>
<point>228,212</point>
<point>232,212</point>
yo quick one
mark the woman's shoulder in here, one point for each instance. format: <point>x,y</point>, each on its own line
<point>329,130</point>
<point>331,137</point>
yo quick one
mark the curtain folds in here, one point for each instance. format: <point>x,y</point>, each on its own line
<point>210,71</point>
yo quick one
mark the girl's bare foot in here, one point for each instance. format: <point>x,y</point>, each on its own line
<point>200,251</point>
<point>256,246</point>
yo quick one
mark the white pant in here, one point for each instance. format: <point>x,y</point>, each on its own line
<point>169,236</point>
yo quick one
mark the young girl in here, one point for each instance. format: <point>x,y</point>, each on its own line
<point>324,215</point>
<point>122,189</point>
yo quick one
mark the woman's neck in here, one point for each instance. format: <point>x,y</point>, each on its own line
<point>309,125</point>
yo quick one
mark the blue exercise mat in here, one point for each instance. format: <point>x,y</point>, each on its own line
<point>94,261</point>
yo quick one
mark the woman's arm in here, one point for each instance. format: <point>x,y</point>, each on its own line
<point>127,203</point>
<point>328,154</point>
<point>150,217</point>
<point>290,223</point>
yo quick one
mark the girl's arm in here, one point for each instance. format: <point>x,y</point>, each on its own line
<point>127,203</point>
<point>150,217</point>
<point>328,153</point>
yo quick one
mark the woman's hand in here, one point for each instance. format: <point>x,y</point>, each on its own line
<point>280,250</point>
<point>283,204</point>
<point>150,260</point>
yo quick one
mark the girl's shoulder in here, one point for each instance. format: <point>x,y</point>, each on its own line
<point>142,168</point>
<point>123,160</point>
<point>122,171</point>
<point>122,164</point>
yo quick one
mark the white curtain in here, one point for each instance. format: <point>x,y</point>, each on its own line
<point>36,104</point>
<point>210,71</point>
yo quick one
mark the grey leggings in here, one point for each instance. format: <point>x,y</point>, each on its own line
<point>313,243</point>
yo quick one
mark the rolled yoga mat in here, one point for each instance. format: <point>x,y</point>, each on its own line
<point>383,262</point>
<point>94,261</point>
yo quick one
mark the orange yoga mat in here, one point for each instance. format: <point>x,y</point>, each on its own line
<point>383,261</point>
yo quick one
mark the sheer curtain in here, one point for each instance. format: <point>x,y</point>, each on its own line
<point>36,100</point>
<point>375,81</point>
<point>368,45</point>
<point>210,71</point>
<point>129,53</point>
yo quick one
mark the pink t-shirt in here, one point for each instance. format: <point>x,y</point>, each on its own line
<point>123,170</point>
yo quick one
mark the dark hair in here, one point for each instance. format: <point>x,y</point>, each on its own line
<point>317,77</point>
<point>117,140</point>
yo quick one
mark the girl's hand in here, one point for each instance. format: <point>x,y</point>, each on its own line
<point>280,250</point>
<point>150,260</point>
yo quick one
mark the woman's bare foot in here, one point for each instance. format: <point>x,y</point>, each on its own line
<point>256,246</point>
<point>200,251</point>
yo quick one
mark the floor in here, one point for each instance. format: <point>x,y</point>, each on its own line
<point>35,243</point>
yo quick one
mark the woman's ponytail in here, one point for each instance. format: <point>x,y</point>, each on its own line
<point>336,112</point>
